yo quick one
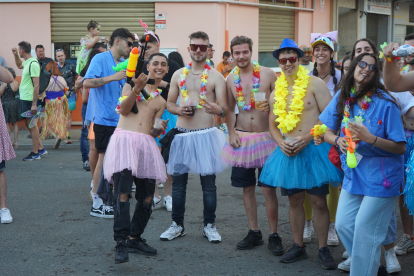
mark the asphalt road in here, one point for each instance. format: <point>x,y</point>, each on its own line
<point>53,233</point>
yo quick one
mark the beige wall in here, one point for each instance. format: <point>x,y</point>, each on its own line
<point>401,16</point>
<point>185,18</point>
<point>24,21</point>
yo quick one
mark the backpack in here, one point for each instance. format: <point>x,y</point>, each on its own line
<point>44,78</point>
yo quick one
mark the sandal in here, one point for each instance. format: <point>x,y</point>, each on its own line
<point>15,145</point>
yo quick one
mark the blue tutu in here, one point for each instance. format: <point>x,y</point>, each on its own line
<point>409,172</point>
<point>409,145</point>
<point>170,125</point>
<point>310,168</point>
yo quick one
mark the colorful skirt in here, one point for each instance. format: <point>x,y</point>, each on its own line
<point>255,148</point>
<point>170,125</point>
<point>56,119</point>
<point>196,151</point>
<point>136,152</point>
<point>409,135</point>
<point>309,168</point>
<point>6,148</point>
<point>409,172</point>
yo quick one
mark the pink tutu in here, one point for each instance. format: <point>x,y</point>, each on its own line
<point>255,148</point>
<point>136,152</point>
<point>6,148</point>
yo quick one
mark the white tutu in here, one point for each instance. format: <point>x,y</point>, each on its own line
<point>197,152</point>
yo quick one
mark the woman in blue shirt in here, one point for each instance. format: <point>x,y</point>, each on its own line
<point>366,202</point>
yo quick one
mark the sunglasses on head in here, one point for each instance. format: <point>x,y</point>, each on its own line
<point>292,60</point>
<point>364,65</point>
<point>202,47</point>
<point>57,50</point>
<point>129,42</point>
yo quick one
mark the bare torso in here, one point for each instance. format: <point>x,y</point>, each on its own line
<point>254,120</point>
<point>409,123</point>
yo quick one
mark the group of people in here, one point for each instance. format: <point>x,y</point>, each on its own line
<point>147,134</point>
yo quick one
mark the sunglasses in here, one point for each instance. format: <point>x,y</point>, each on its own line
<point>57,50</point>
<point>362,64</point>
<point>292,60</point>
<point>129,42</point>
<point>202,47</point>
<point>241,36</point>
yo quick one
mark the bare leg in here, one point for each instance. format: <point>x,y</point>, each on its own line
<point>93,156</point>
<point>321,218</point>
<point>70,123</point>
<point>3,190</point>
<point>388,246</point>
<point>406,219</point>
<point>8,128</point>
<point>250,204</point>
<point>297,217</point>
<point>97,173</point>
<point>156,193</point>
<point>16,132</point>
<point>34,131</point>
<point>271,208</point>
<point>168,186</point>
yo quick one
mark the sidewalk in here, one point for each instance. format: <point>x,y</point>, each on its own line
<point>24,141</point>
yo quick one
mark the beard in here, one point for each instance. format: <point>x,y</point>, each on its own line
<point>240,65</point>
<point>200,58</point>
<point>410,61</point>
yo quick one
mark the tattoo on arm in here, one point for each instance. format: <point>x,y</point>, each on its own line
<point>98,81</point>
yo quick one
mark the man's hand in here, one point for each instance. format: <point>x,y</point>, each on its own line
<point>227,69</point>
<point>300,144</point>
<point>119,75</point>
<point>14,51</point>
<point>265,106</point>
<point>34,109</point>
<point>107,40</point>
<point>285,147</point>
<point>389,48</point>
<point>164,125</point>
<point>234,140</point>
<point>185,111</point>
<point>140,82</point>
<point>211,108</point>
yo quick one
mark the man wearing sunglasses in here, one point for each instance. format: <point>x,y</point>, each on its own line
<point>306,60</point>
<point>244,140</point>
<point>297,165</point>
<point>105,89</point>
<point>194,145</point>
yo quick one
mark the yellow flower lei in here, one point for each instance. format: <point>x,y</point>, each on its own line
<point>289,119</point>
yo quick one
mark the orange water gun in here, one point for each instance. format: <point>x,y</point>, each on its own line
<point>351,160</point>
<point>318,130</point>
<point>132,64</point>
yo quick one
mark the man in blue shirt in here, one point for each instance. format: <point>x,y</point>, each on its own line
<point>105,88</point>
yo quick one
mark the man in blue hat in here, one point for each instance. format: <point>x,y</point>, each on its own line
<point>298,165</point>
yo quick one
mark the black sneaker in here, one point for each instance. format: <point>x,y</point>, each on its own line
<point>121,252</point>
<point>325,259</point>
<point>382,271</point>
<point>141,247</point>
<point>252,239</point>
<point>32,156</point>
<point>86,166</point>
<point>295,253</point>
<point>275,244</point>
<point>102,212</point>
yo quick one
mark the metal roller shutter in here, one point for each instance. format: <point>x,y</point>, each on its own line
<point>69,20</point>
<point>275,24</point>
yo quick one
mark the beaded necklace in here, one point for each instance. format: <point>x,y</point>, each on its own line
<point>239,90</point>
<point>204,78</point>
<point>365,105</point>
<point>140,98</point>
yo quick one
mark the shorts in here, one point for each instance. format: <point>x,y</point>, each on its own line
<point>2,166</point>
<point>242,177</point>
<point>102,136</point>
<point>25,106</point>
<point>72,102</point>
<point>318,191</point>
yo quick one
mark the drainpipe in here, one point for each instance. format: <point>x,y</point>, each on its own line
<point>226,39</point>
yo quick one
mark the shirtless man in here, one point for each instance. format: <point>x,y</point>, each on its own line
<point>133,156</point>
<point>250,143</point>
<point>297,165</point>
<point>181,146</point>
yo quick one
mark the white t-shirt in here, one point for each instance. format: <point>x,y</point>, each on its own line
<point>404,99</point>
<point>330,84</point>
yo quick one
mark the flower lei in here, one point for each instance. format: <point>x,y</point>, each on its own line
<point>239,90</point>
<point>289,119</point>
<point>365,105</point>
<point>204,78</point>
<point>139,99</point>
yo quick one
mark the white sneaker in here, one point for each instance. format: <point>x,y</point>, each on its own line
<point>5,216</point>
<point>345,255</point>
<point>102,212</point>
<point>308,231</point>
<point>405,244</point>
<point>345,265</point>
<point>210,232</point>
<point>332,236</point>
<point>160,186</point>
<point>173,232</point>
<point>134,188</point>
<point>157,203</point>
<point>168,203</point>
<point>392,262</point>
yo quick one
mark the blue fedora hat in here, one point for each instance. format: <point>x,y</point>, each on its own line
<point>288,44</point>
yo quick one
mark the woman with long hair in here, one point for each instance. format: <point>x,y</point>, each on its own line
<point>56,107</point>
<point>373,167</point>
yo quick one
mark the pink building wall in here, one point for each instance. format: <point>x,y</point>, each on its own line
<point>24,21</point>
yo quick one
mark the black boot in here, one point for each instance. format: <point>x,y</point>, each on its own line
<point>252,239</point>
<point>140,246</point>
<point>275,244</point>
<point>121,252</point>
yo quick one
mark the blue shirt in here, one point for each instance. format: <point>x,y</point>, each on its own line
<point>104,98</point>
<point>383,119</point>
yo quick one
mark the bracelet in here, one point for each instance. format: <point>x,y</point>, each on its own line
<point>136,93</point>
<point>376,137</point>
<point>336,140</point>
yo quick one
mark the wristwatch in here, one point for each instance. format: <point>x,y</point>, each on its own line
<point>167,86</point>
<point>222,112</point>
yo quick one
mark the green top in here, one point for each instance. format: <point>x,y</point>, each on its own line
<point>26,86</point>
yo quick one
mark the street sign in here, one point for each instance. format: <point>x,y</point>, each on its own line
<point>160,22</point>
